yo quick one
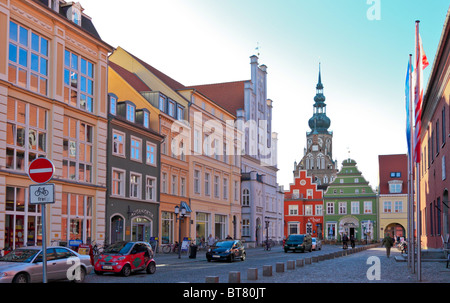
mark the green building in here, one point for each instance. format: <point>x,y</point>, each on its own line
<point>350,206</point>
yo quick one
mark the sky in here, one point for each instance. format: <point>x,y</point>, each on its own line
<point>363,47</point>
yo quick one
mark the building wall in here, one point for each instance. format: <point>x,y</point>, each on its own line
<point>61,35</point>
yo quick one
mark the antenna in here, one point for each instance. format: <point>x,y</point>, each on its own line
<point>257,49</point>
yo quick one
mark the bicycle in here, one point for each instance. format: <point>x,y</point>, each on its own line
<point>167,248</point>
<point>268,244</point>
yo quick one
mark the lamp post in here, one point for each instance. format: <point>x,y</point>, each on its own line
<point>182,215</point>
<point>267,233</point>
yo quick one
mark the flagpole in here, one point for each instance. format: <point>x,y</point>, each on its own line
<point>418,223</point>
<point>410,176</point>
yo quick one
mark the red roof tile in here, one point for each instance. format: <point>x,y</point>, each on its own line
<point>229,95</point>
<point>129,77</point>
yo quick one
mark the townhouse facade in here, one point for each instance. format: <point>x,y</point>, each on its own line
<point>53,100</point>
<point>303,207</point>
<point>393,196</point>
<point>435,152</point>
<point>350,206</point>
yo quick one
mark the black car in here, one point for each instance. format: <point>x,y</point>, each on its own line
<point>298,242</point>
<point>226,250</point>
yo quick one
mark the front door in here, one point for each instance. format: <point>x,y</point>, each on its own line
<point>142,229</point>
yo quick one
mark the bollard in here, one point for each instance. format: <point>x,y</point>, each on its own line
<point>321,258</point>
<point>299,263</point>
<point>234,277</point>
<point>315,259</point>
<point>290,264</point>
<point>212,279</point>
<point>307,260</point>
<point>252,274</point>
<point>280,267</point>
<point>267,270</point>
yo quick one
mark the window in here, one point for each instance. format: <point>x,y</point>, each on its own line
<point>294,228</point>
<point>245,197</point>
<point>197,149</point>
<point>174,185</point>
<point>236,190</point>
<point>437,136</point>
<point>26,134</point>
<point>398,206</point>
<point>162,103</point>
<point>330,208</point>
<point>293,210</point>
<point>216,187</point>
<point>443,125</point>
<point>180,112</point>
<point>146,118</point>
<point>395,187</point>
<point>342,208</point>
<point>135,185</point>
<point>112,105</point>
<point>182,186</point>
<point>164,183</point>
<point>150,188</point>
<point>308,210</point>
<point>355,208</point>
<point>28,59</point>
<point>118,148</point>
<point>151,154</point>
<point>77,150</point>
<point>197,181</point>
<point>78,81</point>
<point>225,188</point>
<point>171,108</point>
<point>387,206</point>
<point>118,182</point>
<point>295,194</point>
<point>135,149</point>
<point>207,184</point>
<point>246,228</point>
<point>76,217</point>
<point>319,210</point>
<point>130,112</point>
<point>367,207</point>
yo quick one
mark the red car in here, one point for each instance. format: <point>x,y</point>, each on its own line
<point>125,258</point>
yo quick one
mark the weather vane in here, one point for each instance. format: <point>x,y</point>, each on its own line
<point>257,49</point>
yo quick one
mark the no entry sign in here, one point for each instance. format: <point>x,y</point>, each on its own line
<point>41,170</point>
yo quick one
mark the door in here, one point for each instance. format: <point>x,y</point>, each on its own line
<point>142,229</point>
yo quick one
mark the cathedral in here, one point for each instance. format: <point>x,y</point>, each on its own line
<point>318,154</point>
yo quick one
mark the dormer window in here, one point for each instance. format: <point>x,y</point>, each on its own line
<point>395,186</point>
<point>74,13</point>
<point>146,121</point>
<point>113,104</point>
<point>54,5</point>
<point>130,113</point>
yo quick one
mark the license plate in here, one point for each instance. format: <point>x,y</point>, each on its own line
<point>216,256</point>
<point>107,267</point>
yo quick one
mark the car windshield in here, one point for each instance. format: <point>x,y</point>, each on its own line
<point>118,248</point>
<point>224,244</point>
<point>296,237</point>
<point>20,255</point>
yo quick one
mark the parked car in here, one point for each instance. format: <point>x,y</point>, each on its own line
<point>25,265</point>
<point>298,243</point>
<point>316,244</point>
<point>125,258</point>
<point>229,250</point>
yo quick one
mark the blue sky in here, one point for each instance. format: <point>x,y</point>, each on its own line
<point>363,61</point>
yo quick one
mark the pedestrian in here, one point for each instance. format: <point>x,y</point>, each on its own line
<point>352,241</point>
<point>344,241</point>
<point>211,240</point>
<point>388,242</point>
<point>229,237</point>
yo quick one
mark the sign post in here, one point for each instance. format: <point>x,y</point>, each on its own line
<point>41,171</point>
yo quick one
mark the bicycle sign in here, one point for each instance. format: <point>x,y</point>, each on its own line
<point>42,193</point>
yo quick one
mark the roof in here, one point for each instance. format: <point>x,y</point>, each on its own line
<point>229,95</point>
<point>129,77</point>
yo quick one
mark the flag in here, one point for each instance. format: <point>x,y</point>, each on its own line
<point>408,118</point>
<point>420,64</point>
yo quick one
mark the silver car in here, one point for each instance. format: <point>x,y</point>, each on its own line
<point>316,244</point>
<point>24,265</point>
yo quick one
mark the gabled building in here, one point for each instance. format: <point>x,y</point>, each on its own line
<point>53,100</point>
<point>393,195</point>
<point>261,197</point>
<point>350,206</point>
<point>303,207</point>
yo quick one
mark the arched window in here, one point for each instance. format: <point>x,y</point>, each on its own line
<point>245,197</point>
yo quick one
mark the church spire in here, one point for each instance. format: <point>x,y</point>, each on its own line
<point>319,122</point>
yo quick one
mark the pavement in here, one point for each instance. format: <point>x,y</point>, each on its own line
<point>370,265</point>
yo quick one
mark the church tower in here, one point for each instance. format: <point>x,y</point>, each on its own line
<point>318,154</point>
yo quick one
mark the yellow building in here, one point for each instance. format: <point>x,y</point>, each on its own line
<point>214,168</point>
<point>53,103</point>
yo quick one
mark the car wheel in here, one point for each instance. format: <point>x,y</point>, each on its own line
<point>231,259</point>
<point>21,278</point>
<point>126,270</point>
<point>79,277</point>
<point>151,268</point>
<point>243,257</point>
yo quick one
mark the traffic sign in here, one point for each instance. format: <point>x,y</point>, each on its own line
<point>42,193</point>
<point>41,170</point>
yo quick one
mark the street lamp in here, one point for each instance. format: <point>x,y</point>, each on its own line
<point>182,215</point>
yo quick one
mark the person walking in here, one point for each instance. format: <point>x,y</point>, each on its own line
<point>388,242</point>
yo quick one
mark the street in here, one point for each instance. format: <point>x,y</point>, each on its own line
<point>359,267</point>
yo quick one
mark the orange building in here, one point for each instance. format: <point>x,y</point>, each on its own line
<point>303,207</point>
<point>53,104</point>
